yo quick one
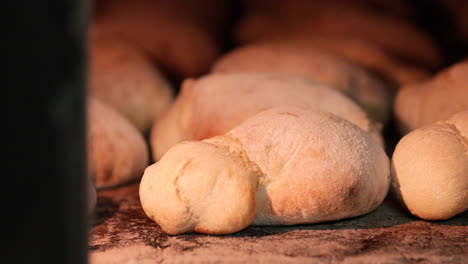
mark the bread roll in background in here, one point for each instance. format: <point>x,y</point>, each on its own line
<point>324,18</point>
<point>124,77</point>
<point>315,64</point>
<point>214,104</point>
<point>367,55</point>
<point>178,35</point>
<point>117,152</point>
<point>436,99</point>
<point>283,166</point>
<point>430,169</point>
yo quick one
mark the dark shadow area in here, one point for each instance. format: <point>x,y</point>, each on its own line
<point>120,185</point>
<point>105,209</point>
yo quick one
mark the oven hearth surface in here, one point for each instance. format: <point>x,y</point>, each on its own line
<point>121,233</point>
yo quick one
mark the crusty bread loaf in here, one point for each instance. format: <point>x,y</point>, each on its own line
<point>365,54</point>
<point>283,166</point>
<point>214,104</point>
<point>125,78</point>
<point>117,152</point>
<point>292,18</point>
<point>176,34</point>
<point>314,64</point>
<point>436,99</point>
<point>430,169</point>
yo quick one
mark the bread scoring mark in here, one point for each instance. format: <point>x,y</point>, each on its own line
<point>453,128</point>
<point>176,175</point>
<point>289,113</point>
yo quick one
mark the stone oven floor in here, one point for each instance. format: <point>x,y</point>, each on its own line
<point>121,233</point>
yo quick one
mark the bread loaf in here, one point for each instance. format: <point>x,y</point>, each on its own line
<point>293,18</point>
<point>117,152</point>
<point>436,99</point>
<point>283,166</point>
<point>123,77</point>
<point>214,104</point>
<point>178,35</point>
<point>367,55</point>
<point>430,169</point>
<point>314,64</point>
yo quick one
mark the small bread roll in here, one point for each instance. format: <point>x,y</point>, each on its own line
<point>340,19</point>
<point>124,78</point>
<point>201,187</point>
<point>283,166</point>
<point>214,104</point>
<point>314,64</point>
<point>430,169</point>
<point>117,152</point>
<point>436,99</point>
<point>178,35</point>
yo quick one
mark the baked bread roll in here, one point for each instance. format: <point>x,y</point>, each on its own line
<point>430,169</point>
<point>314,64</point>
<point>367,55</point>
<point>214,104</point>
<point>117,152</point>
<point>283,166</point>
<point>292,18</point>
<point>125,78</point>
<point>436,99</point>
<point>178,35</point>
